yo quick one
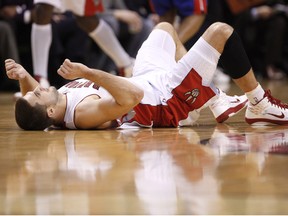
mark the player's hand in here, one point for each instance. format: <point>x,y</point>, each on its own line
<point>71,70</point>
<point>14,71</point>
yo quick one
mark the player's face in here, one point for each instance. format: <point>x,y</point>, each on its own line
<point>43,96</point>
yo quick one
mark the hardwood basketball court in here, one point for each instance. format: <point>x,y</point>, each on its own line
<point>209,168</point>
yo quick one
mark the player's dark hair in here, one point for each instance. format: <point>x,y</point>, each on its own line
<point>31,117</point>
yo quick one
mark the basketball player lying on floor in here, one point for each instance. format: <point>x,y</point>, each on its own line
<point>168,88</point>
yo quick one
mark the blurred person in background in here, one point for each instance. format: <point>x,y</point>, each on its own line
<point>130,27</point>
<point>262,25</point>
<point>15,16</point>
<point>191,14</point>
<point>85,13</point>
<point>191,18</point>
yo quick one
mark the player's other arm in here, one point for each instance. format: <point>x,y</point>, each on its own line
<point>17,72</point>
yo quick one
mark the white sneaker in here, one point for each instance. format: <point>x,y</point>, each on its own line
<point>267,111</point>
<point>226,106</point>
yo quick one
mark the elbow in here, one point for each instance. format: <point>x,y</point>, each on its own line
<point>135,98</point>
<point>138,96</point>
<point>131,99</point>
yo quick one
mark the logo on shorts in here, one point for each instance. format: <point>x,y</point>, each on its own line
<point>192,95</point>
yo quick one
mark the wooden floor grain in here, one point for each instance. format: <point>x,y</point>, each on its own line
<point>209,168</point>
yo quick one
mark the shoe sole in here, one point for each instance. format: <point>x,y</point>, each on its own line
<point>264,121</point>
<point>231,112</point>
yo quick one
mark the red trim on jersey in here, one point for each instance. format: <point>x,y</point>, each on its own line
<point>178,107</point>
<point>92,6</point>
<point>200,6</point>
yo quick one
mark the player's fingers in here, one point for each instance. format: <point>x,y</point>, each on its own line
<point>10,71</point>
<point>61,71</point>
<point>12,75</point>
<point>9,65</point>
<point>9,60</point>
<point>67,64</point>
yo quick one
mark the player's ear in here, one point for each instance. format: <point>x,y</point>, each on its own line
<point>50,111</point>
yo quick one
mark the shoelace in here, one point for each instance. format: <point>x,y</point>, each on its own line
<point>275,101</point>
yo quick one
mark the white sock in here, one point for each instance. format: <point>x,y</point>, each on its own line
<point>256,94</point>
<point>104,36</point>
<point>41,39</point>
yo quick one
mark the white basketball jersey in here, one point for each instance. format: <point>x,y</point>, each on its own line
<point>75,92</point>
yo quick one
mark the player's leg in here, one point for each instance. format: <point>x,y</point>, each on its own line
<point>192,15</point>
<point>226,41</point>
<point>180,49</point>
<point>263,108</point>
<point>105,38</point>
<point>159,54</point>
<point>198,66</point>
<point>41,39</point>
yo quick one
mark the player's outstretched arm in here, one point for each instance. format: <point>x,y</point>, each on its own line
<point>17,72</point>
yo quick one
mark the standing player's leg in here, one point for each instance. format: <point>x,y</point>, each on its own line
<point>41,39</point>
<point>105,38</point>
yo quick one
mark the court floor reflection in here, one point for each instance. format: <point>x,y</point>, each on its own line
<point>218,170</point>
<point>225,138</point>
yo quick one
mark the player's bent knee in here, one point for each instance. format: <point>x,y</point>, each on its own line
<point>87,23</point>
<point>165,26</point>
<point>43,13</point>
<point>221,29</point>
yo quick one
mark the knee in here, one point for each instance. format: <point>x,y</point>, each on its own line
<point>87,23</point>
<point>219,29</point>
<point>43,13</point>
<point>165,26</point>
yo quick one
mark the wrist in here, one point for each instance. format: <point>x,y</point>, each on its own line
<point>90,74</point>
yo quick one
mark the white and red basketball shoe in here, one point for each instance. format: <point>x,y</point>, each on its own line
<point>268,111</point>
<point>226,106</point>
